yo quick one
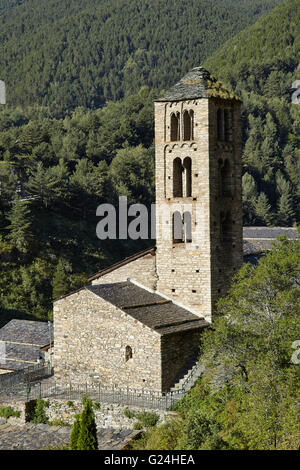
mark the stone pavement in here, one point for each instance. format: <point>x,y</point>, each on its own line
<point>32,436</point>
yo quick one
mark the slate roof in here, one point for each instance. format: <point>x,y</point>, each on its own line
<point>21,342</point>
<point>260,239</point>
<point>198,83</point>
<point>151,309</point>
<point>269,232</point>
<point>25,331</point>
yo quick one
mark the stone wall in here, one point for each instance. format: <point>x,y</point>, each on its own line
<point>142,270</point>
<point>109,415</point>
<point>177,349</point>
<point>91,336</point>
<point>199,272</point>
<point>183,269</point>
<point>226,254</point>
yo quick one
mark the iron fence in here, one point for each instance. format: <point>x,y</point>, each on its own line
<point>29,385</point>
<point>29,373</point>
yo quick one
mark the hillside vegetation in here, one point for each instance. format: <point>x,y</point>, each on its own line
<point>261,64</point>
<point>83,53</point>
<point>55,171</point>
<point>248,397</point>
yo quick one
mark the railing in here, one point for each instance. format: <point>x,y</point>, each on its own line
<point>124,396</point>
<point>193,375</point>
<point>28,385</point>
<point>28,374</point>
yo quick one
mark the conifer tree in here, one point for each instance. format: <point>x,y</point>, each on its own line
<point>75,433</point>
<point>60,282</point>
<point>87,439</point>
<point>263,210</point>
<point>20,226</point>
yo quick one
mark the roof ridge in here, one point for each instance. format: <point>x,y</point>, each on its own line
<point>147,304</point>
<point>123,262</point>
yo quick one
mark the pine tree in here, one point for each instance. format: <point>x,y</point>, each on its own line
<point>263,210</point>
<point>60,281</point>
<point>20,226</point>
<point>75,433</point>
<point>87,439</point>
<point>285,214</point>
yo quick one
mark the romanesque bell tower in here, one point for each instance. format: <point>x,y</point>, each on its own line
<point>198,191</point>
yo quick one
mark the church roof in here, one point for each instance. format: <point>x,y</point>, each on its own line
<point>152,309</point>
<point>198,83</point>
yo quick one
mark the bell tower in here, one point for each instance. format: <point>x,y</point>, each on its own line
<point>198,191</point>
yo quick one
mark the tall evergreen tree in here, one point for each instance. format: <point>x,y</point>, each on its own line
<point>20,235</point>
<point>60,281</point>
<point>87,439</point>
<point>263,210</point>
<point>75,433</point>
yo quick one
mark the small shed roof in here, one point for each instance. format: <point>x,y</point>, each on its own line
<point>32,333</point>
<point>21,342</point>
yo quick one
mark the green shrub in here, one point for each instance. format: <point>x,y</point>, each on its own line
<point>57,422</point>
<point>39,415</point>
<point>137,426</point>
<point>70,403</point>
<point>147,419</point>
<point>8,411</point>
<point>129,414</point>
<point>96,406</point>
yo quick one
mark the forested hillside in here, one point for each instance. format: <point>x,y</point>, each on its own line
<point>55,167</point>
<point>248,397</point>
<point>83,53</point>
<point>53,175</point>
<point>261,65</point>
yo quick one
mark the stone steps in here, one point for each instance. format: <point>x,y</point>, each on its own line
<point>192,369</point>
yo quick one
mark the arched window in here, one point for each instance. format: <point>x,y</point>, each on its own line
<point>177,228</point>
<point>187,165</point>
<point>177,178</point>
<point>188,117</point>
<point>175,127</point>
<point>187,222</point>
<point>220,124</point>
<point>128,353</point>
<point>227,125</point>
<point>225,179</point>
<point>226,227</point>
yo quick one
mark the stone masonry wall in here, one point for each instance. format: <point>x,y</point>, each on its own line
<point>177,349</point>
<point>142,270</point>
<point>227,255</point>
<point>109,415</point>
<point>183,269</point>
<point>90,340</point>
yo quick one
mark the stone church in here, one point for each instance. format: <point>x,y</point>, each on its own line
<point>139,322</point>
